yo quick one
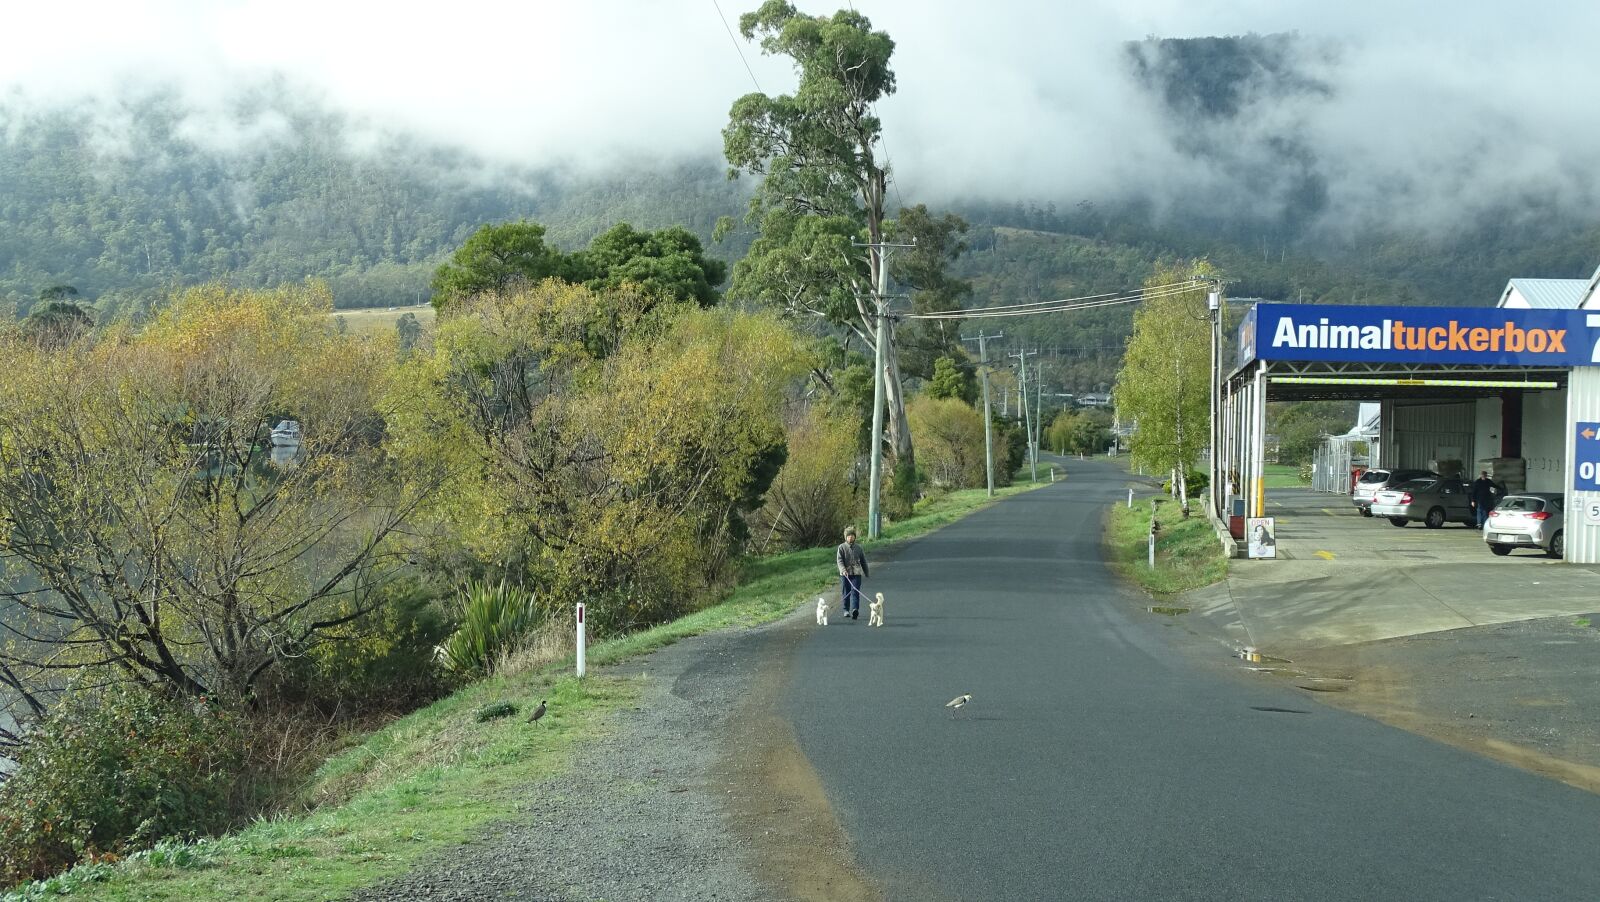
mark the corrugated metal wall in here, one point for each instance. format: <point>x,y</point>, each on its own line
<point>1583,404</point>
<point>1422,432</point>
<point>1545,441</point>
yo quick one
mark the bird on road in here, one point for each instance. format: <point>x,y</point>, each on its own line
<point>537,713</point>
<point>958,701</point>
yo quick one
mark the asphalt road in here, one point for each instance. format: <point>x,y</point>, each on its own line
<point>1100,759</point>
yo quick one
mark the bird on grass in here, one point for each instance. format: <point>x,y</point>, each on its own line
<point>958,701</point>
<point>537,713</point>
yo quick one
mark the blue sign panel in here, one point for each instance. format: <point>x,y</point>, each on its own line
<point>1586,458</point>
<point>1488,336</point>
<point>1247,337</point>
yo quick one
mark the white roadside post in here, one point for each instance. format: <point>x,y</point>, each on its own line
<point>1130,499</point>
<point>582,640</point>
<point>1153,527</point>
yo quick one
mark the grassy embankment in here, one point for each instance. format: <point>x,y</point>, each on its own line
<point>431,780</point>
<point>1188,555</point>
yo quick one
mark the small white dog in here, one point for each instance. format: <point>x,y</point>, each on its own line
<point>822,611</point>
<point>876,608</point>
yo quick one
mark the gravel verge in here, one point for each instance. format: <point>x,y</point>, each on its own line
<point>642,814</point>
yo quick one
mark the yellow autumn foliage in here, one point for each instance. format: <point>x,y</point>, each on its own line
<point>602,446</point>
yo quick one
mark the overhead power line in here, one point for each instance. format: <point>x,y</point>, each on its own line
<point>1088,302</point>
<point>737,49</point>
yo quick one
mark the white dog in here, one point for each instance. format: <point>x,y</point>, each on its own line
<point>876,618</point>
<point>822,611</point>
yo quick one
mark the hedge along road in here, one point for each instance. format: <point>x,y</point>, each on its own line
<point>1098,761</point>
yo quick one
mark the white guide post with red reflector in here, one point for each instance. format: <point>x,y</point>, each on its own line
<point>581,640</point>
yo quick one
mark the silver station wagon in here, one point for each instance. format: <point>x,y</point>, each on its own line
<point>1376,480</point>
<point>1434,501</point>
<point>1527,520</point>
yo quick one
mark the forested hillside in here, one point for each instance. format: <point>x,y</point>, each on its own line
<point>122,206</point>
<point>125,201</point>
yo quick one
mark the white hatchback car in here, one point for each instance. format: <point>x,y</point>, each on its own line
<point>1527,520</point>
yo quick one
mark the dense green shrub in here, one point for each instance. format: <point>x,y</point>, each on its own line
<point>905,485</point>
<point>1010,449</point>
<point>117,769</point>
<point>1196,483</point>
<point>494,618</point>
<point>383,662</point>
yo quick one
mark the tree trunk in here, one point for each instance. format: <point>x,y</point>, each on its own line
<point>897,425</point>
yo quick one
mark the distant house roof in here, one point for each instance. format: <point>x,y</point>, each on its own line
<point>1591,292</point>
<point>1545,294</point>
<point>1367,420</point>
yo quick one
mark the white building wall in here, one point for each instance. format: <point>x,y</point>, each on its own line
<point>1486,437</point>
<point>1385,456</point>
<point>1583,404</point>
<point>1544,439</point>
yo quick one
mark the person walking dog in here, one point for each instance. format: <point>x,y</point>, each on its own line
<point>852,563</point>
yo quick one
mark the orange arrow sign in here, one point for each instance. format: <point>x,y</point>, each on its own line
<point>1587,433</point>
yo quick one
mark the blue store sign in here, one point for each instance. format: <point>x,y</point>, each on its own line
<point>1586,457</point>
<point>1488,336</point>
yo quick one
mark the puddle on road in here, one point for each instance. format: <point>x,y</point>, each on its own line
<point>1167,610</point>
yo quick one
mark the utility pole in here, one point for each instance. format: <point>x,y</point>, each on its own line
<point>1022,401</point>
<point>1038,411</point>
<point>881,357</point>
<point>1219,498</point>
<point>988,423</point>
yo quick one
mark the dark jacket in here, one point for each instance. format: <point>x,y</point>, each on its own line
<point>1485,492</point>
<point>851,560</point>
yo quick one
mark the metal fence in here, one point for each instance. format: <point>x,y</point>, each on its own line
<point>1331,464</point>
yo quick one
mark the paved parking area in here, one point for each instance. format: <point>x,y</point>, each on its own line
<point>1328,527</point>
<point>1343,578</point>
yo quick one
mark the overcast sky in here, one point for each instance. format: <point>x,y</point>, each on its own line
<point>1441,104</point>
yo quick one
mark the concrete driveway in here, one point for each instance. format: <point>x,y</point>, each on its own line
<point>1343,579</point>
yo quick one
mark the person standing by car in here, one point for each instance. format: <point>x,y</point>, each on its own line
<point>1485,492</point>
<point>852,563</point>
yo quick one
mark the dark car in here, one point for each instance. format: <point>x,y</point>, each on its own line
<point>1377,479</point>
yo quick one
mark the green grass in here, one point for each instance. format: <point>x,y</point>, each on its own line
<point>1284,476</point>
<point>367,320</point>
<point>1188,554</point>
<point>433,779</point>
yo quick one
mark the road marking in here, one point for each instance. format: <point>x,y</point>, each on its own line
<point>1325,555</point>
